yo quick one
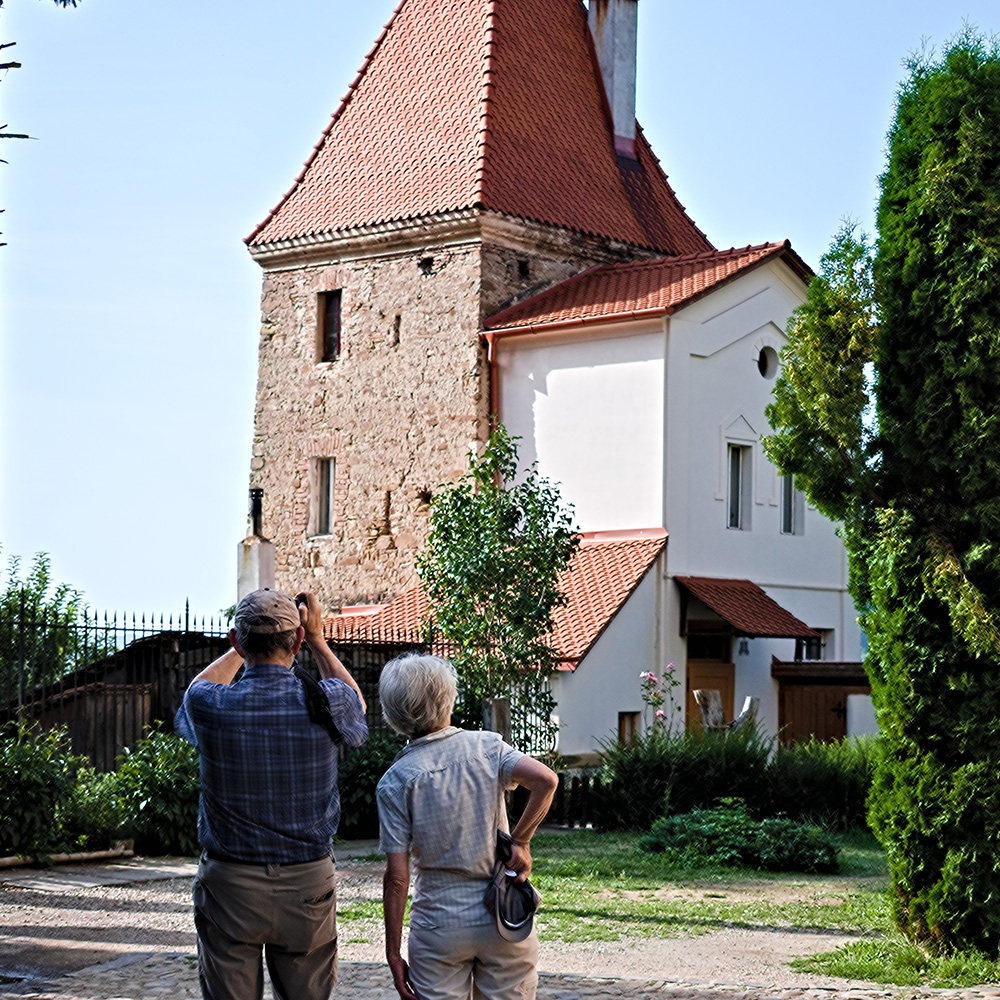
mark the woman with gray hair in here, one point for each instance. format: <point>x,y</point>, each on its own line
<point>442,803</point>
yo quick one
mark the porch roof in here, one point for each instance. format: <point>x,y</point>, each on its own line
<point>746,607</point>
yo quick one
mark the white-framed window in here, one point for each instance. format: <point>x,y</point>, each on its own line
<point>738,491</point>
<point>793,507</point>
<point>322,480</point>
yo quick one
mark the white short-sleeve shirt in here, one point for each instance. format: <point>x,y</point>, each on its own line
<point>441,801</point>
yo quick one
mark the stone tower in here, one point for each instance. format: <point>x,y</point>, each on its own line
<point>477,158</point>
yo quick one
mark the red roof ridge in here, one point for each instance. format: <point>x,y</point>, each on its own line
<point>359,76</point>
<point>602,575</point>
<point>746,606</point>
<point>608,292</point>
<point>485,102</point>
<point>501,107</point>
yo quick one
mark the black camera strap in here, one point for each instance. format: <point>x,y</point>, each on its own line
<point>318,704</point>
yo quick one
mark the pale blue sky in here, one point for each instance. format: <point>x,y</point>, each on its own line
<point>166,131</point>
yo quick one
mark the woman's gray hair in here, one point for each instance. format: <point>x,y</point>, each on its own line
<point>417,693</point>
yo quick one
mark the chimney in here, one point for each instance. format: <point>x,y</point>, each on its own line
<point>613,25</point>
<point>255,554</point>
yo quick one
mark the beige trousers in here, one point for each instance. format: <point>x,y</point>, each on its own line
<point>456,963</point>
<point>285,912</point>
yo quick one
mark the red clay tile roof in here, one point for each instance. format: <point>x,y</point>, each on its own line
<point>649,287</point>
<point>493,104</point>
<point>746,607</point>
<point>598,583</point>
<point>606,569</point>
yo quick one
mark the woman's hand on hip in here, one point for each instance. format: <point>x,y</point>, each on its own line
<point>520,860</point>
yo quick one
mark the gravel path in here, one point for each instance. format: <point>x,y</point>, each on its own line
<point>124,931</point>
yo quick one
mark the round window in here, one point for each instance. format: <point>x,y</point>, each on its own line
<point>767,362</point>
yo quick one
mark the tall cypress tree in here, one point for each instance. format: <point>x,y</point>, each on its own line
<point>922,508</point>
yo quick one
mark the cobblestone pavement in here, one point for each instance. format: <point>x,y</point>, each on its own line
<point>171,976</point>
<point>162,965</point>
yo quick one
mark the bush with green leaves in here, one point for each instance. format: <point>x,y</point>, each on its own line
<point>663,773</point>
<point>357,777</point>
<point>727,834</point>
<point>158,784</point>
<point>94,815</point>
<point>824,782</point>
<point>36,782</point>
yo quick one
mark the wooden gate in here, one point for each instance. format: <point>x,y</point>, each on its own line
<point>812,698</point>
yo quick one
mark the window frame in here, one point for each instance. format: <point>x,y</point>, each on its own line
<point>322,494</point>
<point>739,486</point>
<point>329,313</point>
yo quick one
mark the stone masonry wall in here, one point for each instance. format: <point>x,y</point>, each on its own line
<point>398,411</point>
<point>401,406</point>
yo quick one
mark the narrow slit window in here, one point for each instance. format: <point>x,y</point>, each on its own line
<point>329,325</point>
<point>793,507</point>
<point>324,478</point>
<point>787,505</point>
<point>738,506</point>
<point>629,725</point>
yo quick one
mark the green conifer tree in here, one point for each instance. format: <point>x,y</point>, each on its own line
<point>919,487</point>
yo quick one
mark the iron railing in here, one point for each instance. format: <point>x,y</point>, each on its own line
<point>110,678</point>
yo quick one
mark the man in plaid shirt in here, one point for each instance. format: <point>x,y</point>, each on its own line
<point>269,804</point>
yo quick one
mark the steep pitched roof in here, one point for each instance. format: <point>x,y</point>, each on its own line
<point>746,607</point>
<point>606,569</point>
<point>649,287</point>
<point>493,104</point>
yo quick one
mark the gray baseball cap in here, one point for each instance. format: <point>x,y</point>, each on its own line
<point>513,903</point>
<point>266,612</point>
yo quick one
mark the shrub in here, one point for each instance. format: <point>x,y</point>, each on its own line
<point>825,783</point>
<point>94,814</point>
<point>663,773</point>
<point>36,781</point>
<point>358,775</point>
<point>158,784</point>
<point>728,835</point>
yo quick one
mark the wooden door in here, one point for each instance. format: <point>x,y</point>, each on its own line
<point>805,710</point>
<point>709,674</point>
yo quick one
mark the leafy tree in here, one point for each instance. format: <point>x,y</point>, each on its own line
<point>918,487</point>
<point>41,635</point>
<point>497,545</point>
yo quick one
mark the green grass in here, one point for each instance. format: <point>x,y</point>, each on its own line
<point>601,887</point>
<point>891,959</point>
<point>361,909</point>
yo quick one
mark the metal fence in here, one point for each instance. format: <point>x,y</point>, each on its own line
<point>106,678</point>
<point>109,678</point>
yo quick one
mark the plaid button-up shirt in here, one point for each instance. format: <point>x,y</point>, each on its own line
<point>268,773</point>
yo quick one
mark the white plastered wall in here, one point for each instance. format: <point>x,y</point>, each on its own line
<point>716,397</point>
<point>589,408</point>
<point>632,420</point>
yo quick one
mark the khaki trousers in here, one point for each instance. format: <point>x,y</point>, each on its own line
<point>285,912</point>
<point>456,963</point>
